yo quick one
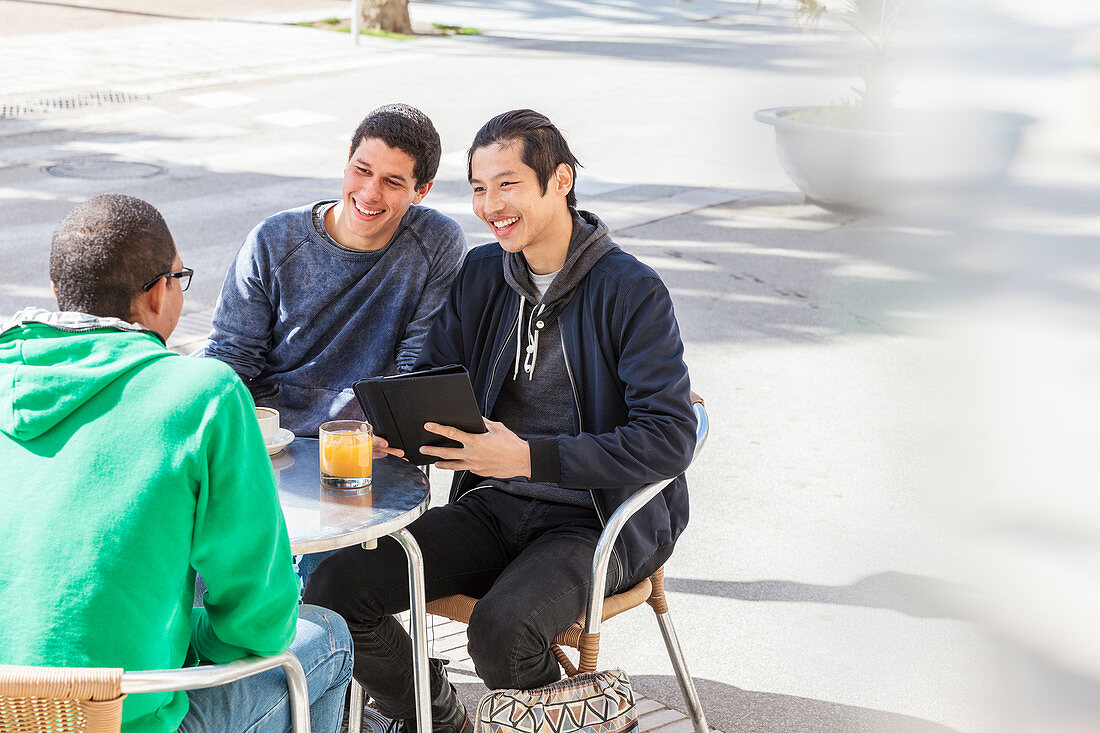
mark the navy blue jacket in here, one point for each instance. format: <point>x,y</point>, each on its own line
<point>633,417</point>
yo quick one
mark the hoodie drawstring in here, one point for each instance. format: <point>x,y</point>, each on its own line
<point>519,338</point>
<point>532,342</point>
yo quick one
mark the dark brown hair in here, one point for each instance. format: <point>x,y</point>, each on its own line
<point>407,129</point>
<point>543,147</point>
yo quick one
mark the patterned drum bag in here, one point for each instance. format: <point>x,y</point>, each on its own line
<point>594,702</point>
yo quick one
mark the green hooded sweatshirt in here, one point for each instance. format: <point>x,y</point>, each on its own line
<point>124,469</point>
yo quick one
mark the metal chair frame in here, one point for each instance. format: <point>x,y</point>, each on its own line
<point>105,688</point>
<point>651,591</point>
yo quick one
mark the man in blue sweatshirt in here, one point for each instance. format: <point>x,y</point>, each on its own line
<point>575,357</point>
<point>338,290</point>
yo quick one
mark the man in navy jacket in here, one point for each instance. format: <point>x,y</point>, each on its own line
<point>575,355</point>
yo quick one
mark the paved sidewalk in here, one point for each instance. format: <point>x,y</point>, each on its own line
<point>37,17</point>
<point>234,42</point>
<point>171,55</point>
<point>902,408</point>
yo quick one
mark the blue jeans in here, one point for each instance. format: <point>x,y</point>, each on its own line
<point>261,703</point>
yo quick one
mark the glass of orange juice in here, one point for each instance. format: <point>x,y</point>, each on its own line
<point>346,448</point>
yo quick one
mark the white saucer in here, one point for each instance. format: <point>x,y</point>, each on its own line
<point>282,439</point>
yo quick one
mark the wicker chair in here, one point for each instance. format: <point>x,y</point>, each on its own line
<point>89,700</point>
<point>584,635</point>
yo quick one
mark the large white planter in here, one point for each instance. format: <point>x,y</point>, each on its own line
<point>918,157</point>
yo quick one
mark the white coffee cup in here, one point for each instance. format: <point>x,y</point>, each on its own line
<point>269,422</point>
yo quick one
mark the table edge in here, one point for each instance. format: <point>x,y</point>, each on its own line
<point>373,532</point>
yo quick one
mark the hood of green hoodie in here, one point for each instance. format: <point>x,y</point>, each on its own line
<point>51,364</point>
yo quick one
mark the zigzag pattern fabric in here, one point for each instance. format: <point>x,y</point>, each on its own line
<point>596,702</point>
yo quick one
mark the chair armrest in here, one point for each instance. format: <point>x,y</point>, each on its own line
<point>619,518</point>
<point>212,675</point>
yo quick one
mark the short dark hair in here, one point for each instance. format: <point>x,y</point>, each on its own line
<point>104,250</point>
<point>407,129</point>
<point>543,146</point>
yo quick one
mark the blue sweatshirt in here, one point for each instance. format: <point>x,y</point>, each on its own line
<point>300,318</point>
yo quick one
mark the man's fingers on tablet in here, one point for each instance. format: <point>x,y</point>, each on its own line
<point>382,448</point>
<point>441,452</point>
<point>447,431</point>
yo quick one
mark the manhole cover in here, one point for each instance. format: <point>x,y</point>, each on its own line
<point>98,169</point>
<point>30,108</point>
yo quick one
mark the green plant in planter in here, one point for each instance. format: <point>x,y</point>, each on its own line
<point>874,21</point>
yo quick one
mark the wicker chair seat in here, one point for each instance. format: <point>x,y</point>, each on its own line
<point>61,700</point>
<point>460,607</point>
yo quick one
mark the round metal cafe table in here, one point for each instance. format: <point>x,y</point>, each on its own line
<point>320,519</point>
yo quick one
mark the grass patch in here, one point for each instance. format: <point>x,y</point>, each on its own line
<point>381,34</point>
<point>343,25</point>
<point>457,30</point>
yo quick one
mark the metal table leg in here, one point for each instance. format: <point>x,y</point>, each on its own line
<point>418,630</point>
<point>355,709</point>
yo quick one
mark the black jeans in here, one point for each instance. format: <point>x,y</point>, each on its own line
<point>528,561</point>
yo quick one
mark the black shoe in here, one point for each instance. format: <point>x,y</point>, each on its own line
<point>448,712</point>
<point>376,722</point>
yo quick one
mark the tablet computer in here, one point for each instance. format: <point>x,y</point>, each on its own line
<point>398,406</point>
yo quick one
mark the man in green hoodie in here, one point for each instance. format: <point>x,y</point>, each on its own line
<point>126,470</point>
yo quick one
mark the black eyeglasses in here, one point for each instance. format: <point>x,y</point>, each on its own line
<point>184,276</point>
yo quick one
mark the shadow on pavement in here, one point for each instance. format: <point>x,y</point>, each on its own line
<point>625,12</point>
<point>663,32</point>
<point>209,212</point>
<point>774,266</point>
<point>914,595</point>
<point>730,708</point>
<point>777,57</point>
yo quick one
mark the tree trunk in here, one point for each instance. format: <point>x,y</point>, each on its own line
<point>387,15</point>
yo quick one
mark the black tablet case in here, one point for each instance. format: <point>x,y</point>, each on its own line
<point>398,406</point>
